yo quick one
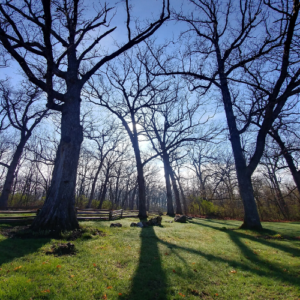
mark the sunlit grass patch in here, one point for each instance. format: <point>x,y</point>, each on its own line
<point>203,258</point>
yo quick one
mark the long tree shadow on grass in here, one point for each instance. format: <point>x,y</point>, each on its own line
<point>252,261</point>
<point>234,233</point>
<point>11,248</point>
<point>149,280</point>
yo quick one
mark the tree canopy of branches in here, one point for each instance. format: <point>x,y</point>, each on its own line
<point>53,45</point>
<point>232,46</point>
<point>126,91</point>
<point>24,114</point>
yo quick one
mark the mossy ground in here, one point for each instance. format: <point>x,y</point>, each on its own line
<point>203,259</point>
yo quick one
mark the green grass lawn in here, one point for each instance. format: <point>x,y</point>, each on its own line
<point>203,259</point>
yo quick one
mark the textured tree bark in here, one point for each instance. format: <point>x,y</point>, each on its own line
<point>58,212</point>
<point>251,217</point>
<point>170,208</point>
<point>11,172</point>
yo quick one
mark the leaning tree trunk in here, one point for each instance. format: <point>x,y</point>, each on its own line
<point>58,212</point>
<point>170,208</point>
<point>11,172</point>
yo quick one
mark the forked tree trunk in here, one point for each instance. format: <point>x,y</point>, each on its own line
<point>11,172</point>
<point>58,212</point>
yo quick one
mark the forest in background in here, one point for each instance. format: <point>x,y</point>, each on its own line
<point>202,123</point>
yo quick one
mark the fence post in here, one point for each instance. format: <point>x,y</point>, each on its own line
<point>110,215</point>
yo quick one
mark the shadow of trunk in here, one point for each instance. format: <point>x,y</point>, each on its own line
<point>149,280</point>
<point>12,248</point>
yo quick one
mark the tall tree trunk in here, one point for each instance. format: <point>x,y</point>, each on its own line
<point>58,212</point>
<point>140,178</point>
<point>170,208</point>
<point>176,192</point>
<point>251,217</point>
<point>11,172</point>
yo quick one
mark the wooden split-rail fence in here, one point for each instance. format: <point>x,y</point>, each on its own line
<point>17,215</point>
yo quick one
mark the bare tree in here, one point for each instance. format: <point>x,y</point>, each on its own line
<point>107,140</point>
<point>126,91</point>
<point>272,163</point>
<point>223,51</point>
<point>51,42</point>
<point>24,116</point>
<point>203,156</point>
<point>170,127</point>
<point>285,131</point>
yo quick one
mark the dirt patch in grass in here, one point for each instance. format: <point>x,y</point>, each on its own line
<point>62,249</point>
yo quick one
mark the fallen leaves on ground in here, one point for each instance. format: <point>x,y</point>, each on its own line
<point>17,268</point>
<point>181,294</point>
<point>58,266</point>
<point>195,270</point>
<point>94,265</point>
<point>72,276</point>
<point>109,287</point>
<point>120,294</point>
<point>233,271</point>
<point>104,297</point>
<point>46,291</point>
<point>174,271</point>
